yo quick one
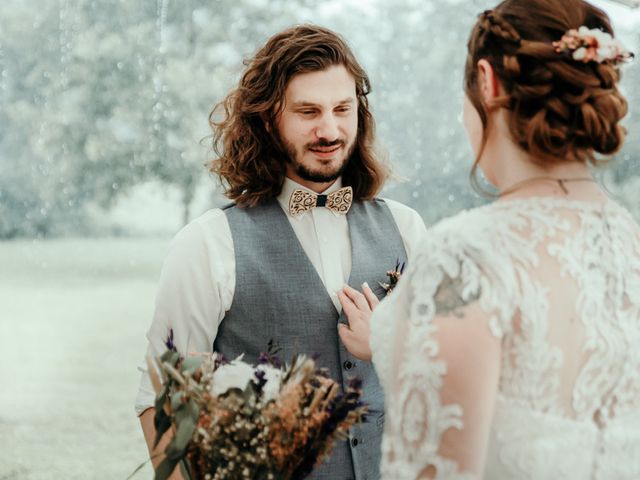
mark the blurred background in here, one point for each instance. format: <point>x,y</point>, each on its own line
<point>103,141</point>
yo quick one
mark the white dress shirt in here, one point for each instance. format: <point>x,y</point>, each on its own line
<point>197,281</point>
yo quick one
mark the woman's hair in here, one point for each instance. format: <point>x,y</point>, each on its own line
<point>559,109</point>
<point>251,162</point>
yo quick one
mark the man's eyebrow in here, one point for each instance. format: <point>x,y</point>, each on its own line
<point>303,103</point>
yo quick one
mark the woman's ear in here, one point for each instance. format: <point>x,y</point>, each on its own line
<point>488,82</point>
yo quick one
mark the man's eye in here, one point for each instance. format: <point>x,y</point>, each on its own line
<point>307,112</point>
<point>343,109</point>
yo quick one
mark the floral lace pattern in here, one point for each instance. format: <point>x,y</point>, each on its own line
<point>558,283</point>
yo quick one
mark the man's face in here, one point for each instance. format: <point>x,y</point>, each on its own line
<point>318,125</point>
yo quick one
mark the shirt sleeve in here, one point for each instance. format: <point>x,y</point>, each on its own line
<point>195,290</point>
<point>410,225</point>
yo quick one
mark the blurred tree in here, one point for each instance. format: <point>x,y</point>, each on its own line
<point>627,165</point>
<point>101,96</point>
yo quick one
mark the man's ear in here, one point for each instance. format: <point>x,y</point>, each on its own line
<point>269,118</point>
<point>488,82</point>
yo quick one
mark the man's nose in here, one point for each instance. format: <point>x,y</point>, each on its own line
<point>328,128</point>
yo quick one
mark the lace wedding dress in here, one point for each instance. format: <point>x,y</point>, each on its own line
<point>511,347</point>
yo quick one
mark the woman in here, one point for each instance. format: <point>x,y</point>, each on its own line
<point>510,349</point>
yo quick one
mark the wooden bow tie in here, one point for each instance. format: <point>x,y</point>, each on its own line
<point>302,201</point>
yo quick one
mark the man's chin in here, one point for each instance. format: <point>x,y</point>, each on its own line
<point>320,175</point>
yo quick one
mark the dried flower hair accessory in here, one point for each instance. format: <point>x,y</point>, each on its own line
<point>592,45</point>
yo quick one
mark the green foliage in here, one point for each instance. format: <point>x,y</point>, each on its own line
<point>184,412</point>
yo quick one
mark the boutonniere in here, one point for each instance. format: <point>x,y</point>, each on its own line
<point>394,275</point>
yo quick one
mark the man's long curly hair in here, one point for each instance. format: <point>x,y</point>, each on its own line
<point>251,162</point>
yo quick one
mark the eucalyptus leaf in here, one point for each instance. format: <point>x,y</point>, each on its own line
<point>161,399</point>
<point>177,448</point>
<point>191,364</point>
<point>170,357</point>
<point>185,470</point>
<point>177,400</point>
<point>162,423</point>
<point>189,409</point>
<point>181,413</point>
<point>165,469</point>
<point>193,409</point>
<point>184,433</point>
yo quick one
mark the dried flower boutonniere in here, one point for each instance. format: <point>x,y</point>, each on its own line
<point>394,275</point>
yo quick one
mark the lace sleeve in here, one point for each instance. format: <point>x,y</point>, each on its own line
<point>437,345</point>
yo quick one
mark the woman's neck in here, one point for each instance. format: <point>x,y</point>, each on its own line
<point>517,174</point>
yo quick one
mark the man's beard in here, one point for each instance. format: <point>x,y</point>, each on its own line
<point>315,176</point>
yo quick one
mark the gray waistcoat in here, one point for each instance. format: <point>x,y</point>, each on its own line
<point>279,295</point>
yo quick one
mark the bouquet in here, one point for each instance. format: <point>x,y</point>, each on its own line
<point>233,420</point>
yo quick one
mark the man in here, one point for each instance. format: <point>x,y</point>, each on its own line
<point>295,145</point>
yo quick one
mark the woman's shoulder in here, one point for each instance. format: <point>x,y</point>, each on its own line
<point>479,244</point>
<point>475,226</point>
<point>495,236</point>
<point>520,218</point>
<point>464,219</point>
<point>469,256</point>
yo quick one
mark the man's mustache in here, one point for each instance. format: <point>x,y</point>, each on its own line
<point>325,143</point>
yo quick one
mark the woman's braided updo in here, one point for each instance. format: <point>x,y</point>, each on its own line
<point>559,109</point>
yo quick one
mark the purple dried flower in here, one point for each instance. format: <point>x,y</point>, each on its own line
<point>169,342</point>
<point>260,382</point>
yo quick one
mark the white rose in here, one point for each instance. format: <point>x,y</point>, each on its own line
<point>579,53</point>
<point>584,30</point>
<point>236,374</point>
<point>273,376</point>
<point>603,38</point>
<point>605,53</point>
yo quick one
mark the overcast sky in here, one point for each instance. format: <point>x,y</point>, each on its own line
<point>622,16</point>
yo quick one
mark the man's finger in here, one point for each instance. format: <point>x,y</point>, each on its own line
<point>370,296</point>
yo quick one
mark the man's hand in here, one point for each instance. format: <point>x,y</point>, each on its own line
<point>358,308</point>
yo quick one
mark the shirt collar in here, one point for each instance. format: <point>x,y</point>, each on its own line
<point>289,186</point>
